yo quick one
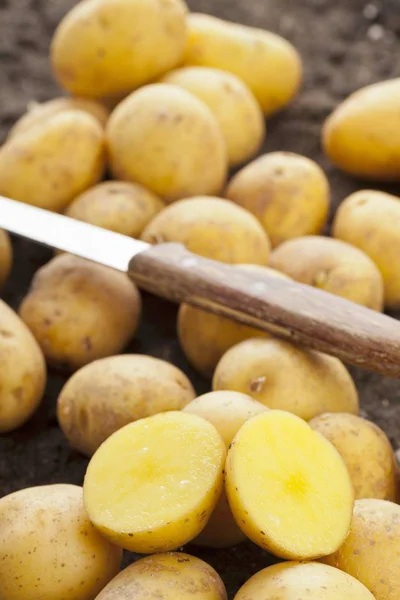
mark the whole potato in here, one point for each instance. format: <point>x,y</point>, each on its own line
<point>109,393</point>
<point>211,227</point>
<point>333,266</point>
<point>287,192</point>
<point>166,139</point>
<point>233,104</point>
<point>371,552</point>
<point>50,164</point>
<point>6,256</point>
<point>116,205</point>
<point>49,549</point>
<point>269,65</point>
<point>365,449</point>
<point>369,220</point>
<point>360,136</point>
<point>79,311</point>
<point>287,377</point>
<point>23,372</point>
<point>110,47</point>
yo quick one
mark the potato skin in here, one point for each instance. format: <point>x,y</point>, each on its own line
<point>269,65</point>
<point>166,139</point>
<point>116,205</point>
<point>110,47</point>
<point>287,192</point>
<point>369,219</point>
<point>360,136</point>
<point>270,369</point>
<point>232,103</point>
<point>79,311</point>
<point>49,549</point>
<point>333,266</point>
<point>166,577</point>
<point>109,393</point>
<point>6,256</point>
<point>50,164</point>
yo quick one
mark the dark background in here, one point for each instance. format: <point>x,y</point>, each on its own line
<point>345,44</point>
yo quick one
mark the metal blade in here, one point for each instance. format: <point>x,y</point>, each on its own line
<point>63,233</point>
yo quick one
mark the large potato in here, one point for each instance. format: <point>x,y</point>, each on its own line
<point>107,394</point>
<point>371,552</point>
<point>287,377</point>
<point>172,576</point>
<point>287,192</point>
<point>267,63</point>
<point>23,371</point>
<point>48,165</point>
<point>211,227</point>
<point>116,205</point>
<point>233,104</point>
<point>169,141</point>
<point>6,256</point>
<point>369,220</point>
<point>49,549</point>
<point>333,266</point>
<point>360,136</point>
<point>79,311</point>
<point>110,47</point>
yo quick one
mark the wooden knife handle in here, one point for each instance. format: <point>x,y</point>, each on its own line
<point>296,312</point>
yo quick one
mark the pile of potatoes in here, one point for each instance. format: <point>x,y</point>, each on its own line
<point>161,104</point>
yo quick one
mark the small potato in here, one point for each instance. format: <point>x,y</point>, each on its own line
<point>269,65</point>
<point>366,451</point>
<point>369,220</point>
<point>168,140</point>
<point>163,491</point>
<point>110,393</point>
<point>287,192</point>
<point>6,256</point>
<point>50,164</point>
<point>333,266</point>
<point>233,104</point>
<point>110,47</point>
<point>371,552</point>
<point>287,377</point>
<point>172,576</point>
<point>361,135</point>
<point>80,311</point>
<point>23,372</point>
<point>213,228</point>
<point>312,581</point>
<point>49,549</point>
<point>116,205</point>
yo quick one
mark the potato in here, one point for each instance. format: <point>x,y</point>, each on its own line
<point>79,311</point>
<point>288,487</point>
<point>369,220</point>
<point>110,47</point>
<point>333,266</point>
<point>213,228</point>
<point>269,65</point>
<point>161,495</point>
<point>287,192</point>
<point>116,205</point>
<point>169,576</point>
<point>109,393</point>
<point>366,451</point>
<point>371,552</point>
<point>312,581</point>
<point>49,549</point>
<point>233,104</point>
<point>360,136</point>
<point>168,140</point>
<point>50,164</point>
<point>6,256</point>
<point>287,377</point>
<point>23,372</point>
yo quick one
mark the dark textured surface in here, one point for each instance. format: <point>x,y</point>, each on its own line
<point>343,49</point>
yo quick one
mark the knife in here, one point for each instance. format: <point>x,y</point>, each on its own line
<point>293,311</point>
